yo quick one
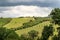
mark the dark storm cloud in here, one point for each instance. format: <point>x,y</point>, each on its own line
<point>42,3</point>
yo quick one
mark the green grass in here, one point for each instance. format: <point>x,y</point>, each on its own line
<point>17,22</point>
<point>38,28</point>
<point>4,21</point>
<point>31,23</point>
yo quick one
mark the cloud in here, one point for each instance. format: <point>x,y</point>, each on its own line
<point>30,0</point>
<point>18,11</point>
<point>42,3</point>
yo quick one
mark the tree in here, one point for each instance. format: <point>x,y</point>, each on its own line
<point>47,31</point>
<point>33,34</point>
<point>57,37</point>
<point>24,37</point>
<point>55,14</point>
<point>11,35</point>
<point>2,33</point>
<point>38,38</point>
<point>7,34</point>
<point>30,36</point>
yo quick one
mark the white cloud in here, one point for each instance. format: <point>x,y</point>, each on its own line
<point>18,11</point>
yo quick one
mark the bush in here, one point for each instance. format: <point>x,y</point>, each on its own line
<point>57,37</point>
<point>47,31</point>
<point>7,34</point>
<point>33,34</point>
<point>55,14</point>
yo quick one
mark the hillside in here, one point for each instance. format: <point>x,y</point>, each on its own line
<point>24,25</point>
<point>17,22</point>
<point>4,21</point>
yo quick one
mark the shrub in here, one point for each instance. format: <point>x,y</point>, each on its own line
<point>47,31</point>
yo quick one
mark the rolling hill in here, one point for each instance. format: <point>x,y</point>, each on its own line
<point>37,24</point>
<point>17,22</point>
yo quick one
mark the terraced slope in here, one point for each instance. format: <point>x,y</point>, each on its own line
<point>4,21</point>
<point>39,27</point>
<point>28,25</point>
<point>17,22</point>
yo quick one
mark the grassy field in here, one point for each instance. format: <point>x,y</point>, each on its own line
<point>38,27</point>
<point>4,21</point>
<point>18,22</point>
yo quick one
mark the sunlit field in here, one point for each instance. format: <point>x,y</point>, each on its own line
<point>17,22</point>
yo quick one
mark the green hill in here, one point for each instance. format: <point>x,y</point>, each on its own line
<point>4,21</point>
<point>17,22</point>
<point>27,24</point>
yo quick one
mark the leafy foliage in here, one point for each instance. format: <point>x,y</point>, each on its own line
<point>33,34</point>
<point>24,37</point>
<point>30,36</point>
<point>7,34</point>
<point>57,37</point>
<point>56,15</point>
<point>47,31</point>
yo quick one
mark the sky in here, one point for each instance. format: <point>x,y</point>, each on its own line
<point>18,8</point>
